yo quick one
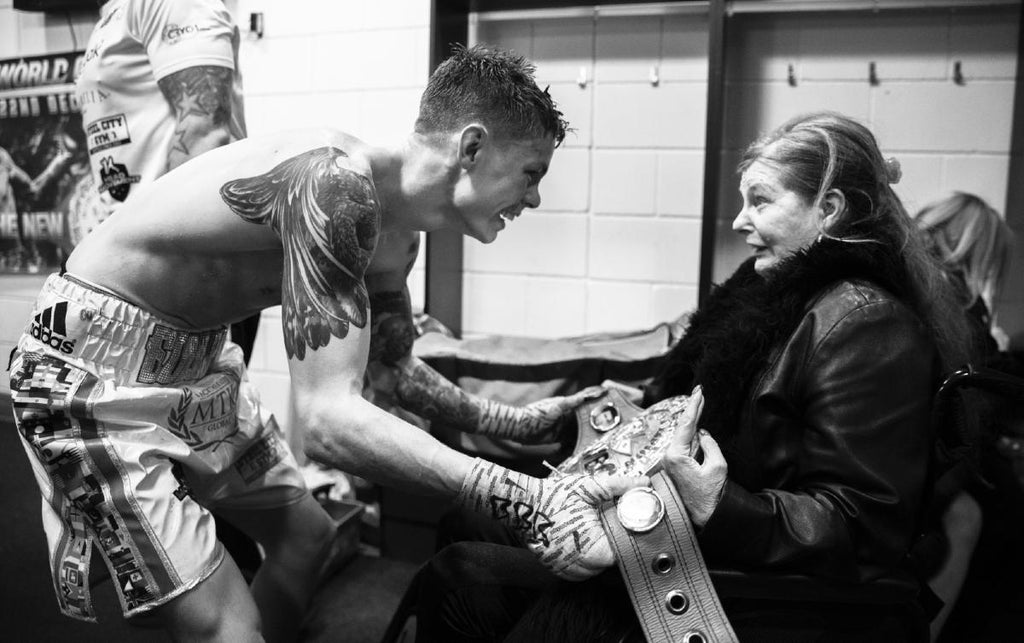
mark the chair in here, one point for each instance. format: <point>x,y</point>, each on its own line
<point>985,606</point>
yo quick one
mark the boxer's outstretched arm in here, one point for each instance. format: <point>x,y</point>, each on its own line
<point>325,213</point>
<point>419,388</point>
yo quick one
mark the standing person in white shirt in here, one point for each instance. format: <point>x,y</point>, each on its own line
<point>161,85</point>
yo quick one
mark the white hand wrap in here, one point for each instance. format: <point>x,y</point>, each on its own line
<point>521,423</point>
<point>558,520</point>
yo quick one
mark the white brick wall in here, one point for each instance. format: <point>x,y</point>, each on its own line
<point>615,243</point>
<point>947,136</point>
<point>630,178</point>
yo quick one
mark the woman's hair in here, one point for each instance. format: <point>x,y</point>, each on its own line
<point>493,85</point>
<point>971,240</point>
<point>819,152</point>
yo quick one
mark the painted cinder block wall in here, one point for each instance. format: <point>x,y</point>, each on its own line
<point>615,243</point>
<point>947,135</point>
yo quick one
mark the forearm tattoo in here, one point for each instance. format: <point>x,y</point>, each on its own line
<point>202,93</point>
<point>327,217</point>
<point>392,331</point>
<point>425,392</point>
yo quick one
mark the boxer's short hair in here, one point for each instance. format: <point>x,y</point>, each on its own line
<point>494,87</point>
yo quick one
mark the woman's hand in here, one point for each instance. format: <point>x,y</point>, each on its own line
<point>696,464</point>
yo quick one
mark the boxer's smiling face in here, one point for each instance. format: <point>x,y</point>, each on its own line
<point>500,178</point>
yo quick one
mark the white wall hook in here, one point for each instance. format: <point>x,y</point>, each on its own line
<point>256,24</point>
<point>581,78</point>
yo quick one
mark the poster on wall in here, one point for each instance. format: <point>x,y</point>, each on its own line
<point>44,168</point>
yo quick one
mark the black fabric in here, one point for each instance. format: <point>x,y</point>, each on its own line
<point>242,548</point>
<point>473,592</point>
<point>566,364</point>
<point>244,332</point>
<point>988,608</point>
<point>829,459</point>
<point>518,371</point>
<point>30,610</point>
<point>730,338</point>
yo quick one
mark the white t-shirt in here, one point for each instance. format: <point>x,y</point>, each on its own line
<point>129,124</point>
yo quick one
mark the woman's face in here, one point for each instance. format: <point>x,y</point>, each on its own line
<point>775,221</point>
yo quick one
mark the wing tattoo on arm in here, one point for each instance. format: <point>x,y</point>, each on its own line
<point>327,217</point>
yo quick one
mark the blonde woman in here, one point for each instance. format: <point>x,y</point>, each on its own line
<point>974,243</point>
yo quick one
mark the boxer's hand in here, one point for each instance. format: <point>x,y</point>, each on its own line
<point>534,423</point>
<point>634,394</point>
<point>557,519</point>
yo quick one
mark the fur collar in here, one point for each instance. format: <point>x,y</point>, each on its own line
<point>730,338</point>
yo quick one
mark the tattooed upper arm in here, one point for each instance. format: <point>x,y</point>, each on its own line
<point>392,331</point>
<point>327,217</point>
<point>201,99</point>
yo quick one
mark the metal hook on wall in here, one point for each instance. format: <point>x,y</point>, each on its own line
<point>791,75</point>
<point>581,78</point>
<point>872,73</point>
<point>256,23</point>
<point>654,76</point>
<point>958,74</point>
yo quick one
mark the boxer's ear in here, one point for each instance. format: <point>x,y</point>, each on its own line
<point>471,141</point>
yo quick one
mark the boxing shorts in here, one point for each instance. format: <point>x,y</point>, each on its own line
<point>135,429</point>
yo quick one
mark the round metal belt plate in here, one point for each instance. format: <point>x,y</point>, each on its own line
<point>640,509</point>
<point>605,418</point>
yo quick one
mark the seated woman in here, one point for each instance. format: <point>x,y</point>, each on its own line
<point>818,360</point>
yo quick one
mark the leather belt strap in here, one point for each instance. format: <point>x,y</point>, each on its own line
<point>666,576</point>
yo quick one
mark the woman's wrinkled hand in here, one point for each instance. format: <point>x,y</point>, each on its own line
<point>695,463</point>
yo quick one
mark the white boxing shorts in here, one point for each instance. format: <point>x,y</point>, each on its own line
<point>135,429</point>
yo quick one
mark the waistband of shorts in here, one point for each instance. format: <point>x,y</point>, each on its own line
<point>87,325</point>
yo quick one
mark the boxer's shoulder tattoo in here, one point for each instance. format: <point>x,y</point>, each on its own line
<point>425,392</point>
<point>392,332</point>
<point>327,217</point>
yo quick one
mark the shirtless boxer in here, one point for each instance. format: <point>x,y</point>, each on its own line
<point>126,393</point>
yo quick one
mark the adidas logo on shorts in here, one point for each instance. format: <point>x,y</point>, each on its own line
<point>48,327</point>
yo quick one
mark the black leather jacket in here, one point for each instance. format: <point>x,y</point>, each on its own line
<point>818,381</point>
<point>828,465</point>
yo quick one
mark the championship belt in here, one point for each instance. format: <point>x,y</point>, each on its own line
<point>656,549</point>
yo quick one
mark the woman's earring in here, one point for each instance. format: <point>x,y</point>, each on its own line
<point>820,237</point>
